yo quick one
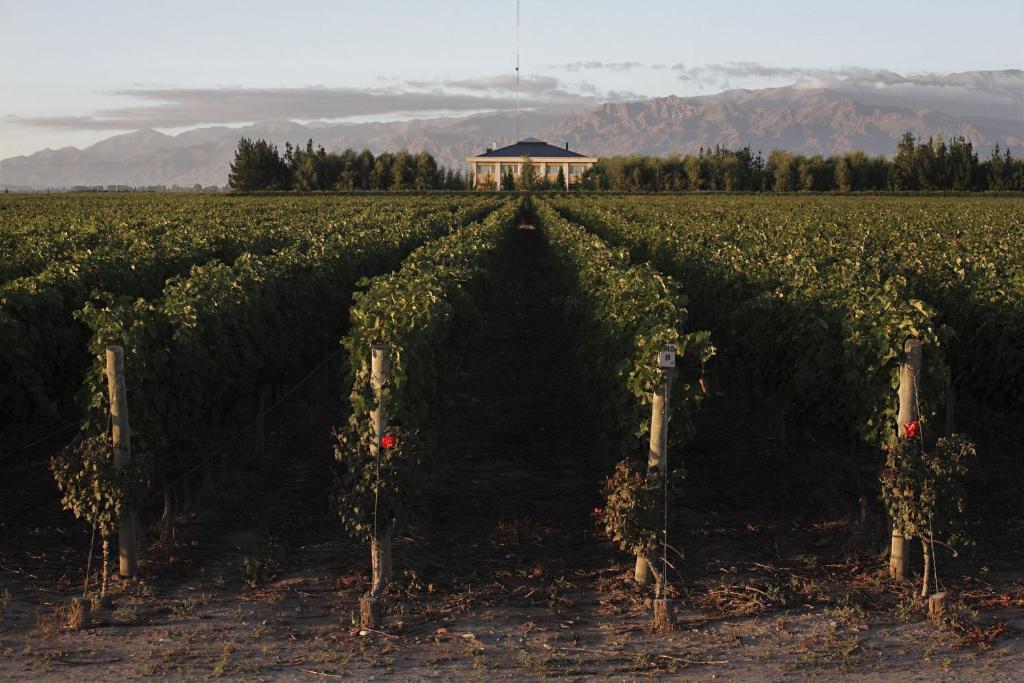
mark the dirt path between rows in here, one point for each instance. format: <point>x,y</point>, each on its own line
<point>501,574</point>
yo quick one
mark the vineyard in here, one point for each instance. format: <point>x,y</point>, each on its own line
<point>626,425</point>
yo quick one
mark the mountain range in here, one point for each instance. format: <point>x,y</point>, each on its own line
<point>809,118</point>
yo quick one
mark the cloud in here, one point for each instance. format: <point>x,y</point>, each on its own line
<point>718,73</point>
<point>502,83</point>
<point>595,66</point>
<point>1006,82</point>
<point>993,94</point>
<point>184,107</point>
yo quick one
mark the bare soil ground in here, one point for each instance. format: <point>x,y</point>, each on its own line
<point>501,574</point>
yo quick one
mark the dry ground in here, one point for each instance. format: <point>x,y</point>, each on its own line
<point>501,574</point>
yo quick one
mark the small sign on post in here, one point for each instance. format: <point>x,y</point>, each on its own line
<point>667,356</point>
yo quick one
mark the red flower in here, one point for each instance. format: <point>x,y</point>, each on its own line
<point>388,441</point>
<point>912,429</point>
<point>597,511</point>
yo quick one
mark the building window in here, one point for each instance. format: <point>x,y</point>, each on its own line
<point>577,169</point>
<point>552,171</point>
<point>505,168</point>
<point>484,169</point>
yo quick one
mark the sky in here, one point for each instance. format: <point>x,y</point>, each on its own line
<point>76,72</point>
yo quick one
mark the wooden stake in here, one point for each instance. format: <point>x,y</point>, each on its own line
<point>76,614</point>
<point>380,544</point>
<point>121,436</point>
<point>937,605</point>
<point>910,370</point>
<point>664,615</point>
<point>369,612</point>
<point>380,373</point>
<point>657,454</point>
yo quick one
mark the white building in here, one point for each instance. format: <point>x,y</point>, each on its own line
<point>490,167</point>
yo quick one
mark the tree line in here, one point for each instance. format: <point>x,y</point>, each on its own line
<point>259,166</point>
<point>917,165</point>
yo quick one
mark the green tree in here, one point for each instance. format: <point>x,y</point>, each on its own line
<point>508,179</point>
<point>425,175</point>
<point>963,165</point>
<point>363,170</point>
<point>692,169</point>
<point>381,175</point>
<point>402,171</point>
<point>527,174</point>
<point>843,175</point>
<point>782,168</point>
<point>904,164</point>
<point>996,170</point>
<point>257,166</point>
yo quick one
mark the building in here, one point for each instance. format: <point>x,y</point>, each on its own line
<point>489,168</point>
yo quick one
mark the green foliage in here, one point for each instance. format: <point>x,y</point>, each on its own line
<point>258,166</point>
<point>634,507</point>
<point>923,488</point>
<point>415,312</point>
<point>93,488</point>
<point>528,175</point>
<point>917,165</point>
<point>370,486</point>
<point>224,330</point>
<point>815,310</point>
<point>106,246</point>
<point>623,316</point>
<point>262,567</point>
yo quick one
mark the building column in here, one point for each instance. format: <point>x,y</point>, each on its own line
<point>565,170</point>
<point>497,176</point>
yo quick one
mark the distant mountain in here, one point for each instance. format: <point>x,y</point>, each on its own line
<point>809,121</point>
<point>984,107</point>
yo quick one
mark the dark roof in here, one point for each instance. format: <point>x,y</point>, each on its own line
<point>531,147</point>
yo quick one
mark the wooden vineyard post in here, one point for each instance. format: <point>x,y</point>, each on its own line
<point>910,370</point>
<point>937,605</point>
<point>657,453</point>
<point>121,436</point>
<point>655,459</point>
<point>380,544</point>
<point>381,372</point>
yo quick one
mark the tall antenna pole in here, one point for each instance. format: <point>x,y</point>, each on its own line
<point>517,71</point>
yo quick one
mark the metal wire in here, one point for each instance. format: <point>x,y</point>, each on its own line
<point>929,546</point>
<point>257,420</point>
<point>39,441</point>
<point>664,487</point>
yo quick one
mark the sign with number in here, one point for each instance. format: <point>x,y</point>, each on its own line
<point>667,357</point>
